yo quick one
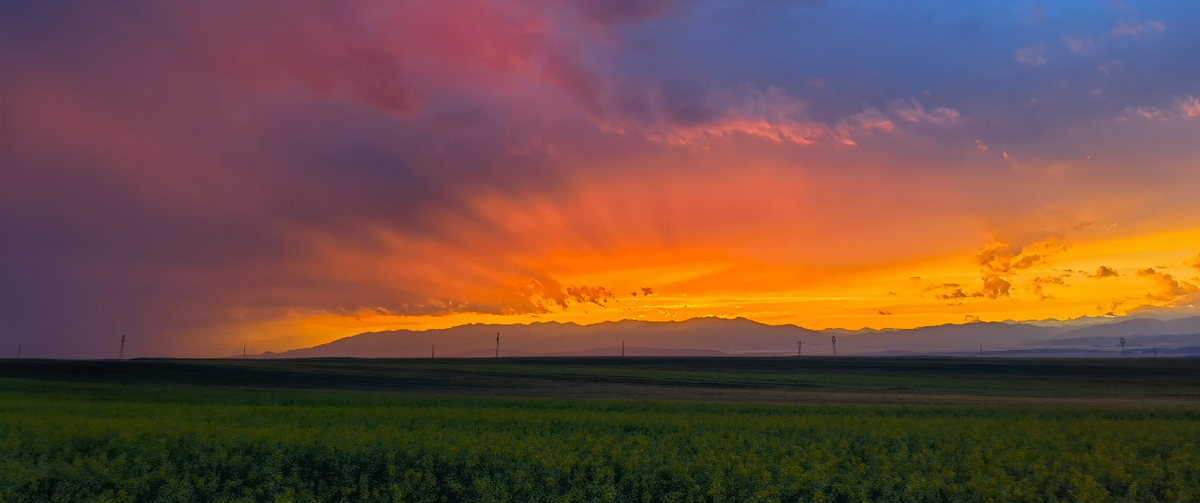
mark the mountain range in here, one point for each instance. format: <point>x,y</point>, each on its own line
<point>740,336</point>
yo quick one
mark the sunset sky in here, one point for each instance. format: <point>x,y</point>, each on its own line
<point>208,174</point>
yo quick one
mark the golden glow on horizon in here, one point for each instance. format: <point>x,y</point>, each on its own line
<point>888,296</point>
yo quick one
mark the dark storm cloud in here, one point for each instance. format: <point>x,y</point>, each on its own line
<point>168,166</point>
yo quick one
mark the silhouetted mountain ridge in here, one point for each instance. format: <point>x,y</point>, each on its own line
<point>715,336</point>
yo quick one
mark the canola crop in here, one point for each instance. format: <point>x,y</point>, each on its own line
<point>111,443</point>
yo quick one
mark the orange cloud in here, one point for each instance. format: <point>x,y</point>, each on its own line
<point>1169,289</point>
<point>1040,283</point>
<point>1000,261</point>
<point>995,287</point>
<point>589,294</point>
<point>952,291</point>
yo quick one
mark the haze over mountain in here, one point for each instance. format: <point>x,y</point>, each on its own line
<point>740,336</point>
<point>1139,326</point>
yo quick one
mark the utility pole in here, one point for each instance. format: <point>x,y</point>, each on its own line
<point>243,352</point>
<point>497,344</point>
<point>432,351</point>
<point>1122,346</point>
<point>834,339</point>
<point>799,348</point>
<point>622,349</point>
<point>121,355</point>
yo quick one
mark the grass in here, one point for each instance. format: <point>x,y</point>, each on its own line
<point>384,430</point>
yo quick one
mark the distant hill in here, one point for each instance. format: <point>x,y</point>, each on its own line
<point>720,336</point>
<point>1138,326</point>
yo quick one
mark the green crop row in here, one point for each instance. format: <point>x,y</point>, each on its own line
<point>118,444</point>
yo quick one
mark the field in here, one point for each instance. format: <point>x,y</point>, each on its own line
<point>731,429</point>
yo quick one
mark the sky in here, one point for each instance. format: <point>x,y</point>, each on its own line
<point>208,175</point>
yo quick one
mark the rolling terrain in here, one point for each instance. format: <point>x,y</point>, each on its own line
<point>740,336</point>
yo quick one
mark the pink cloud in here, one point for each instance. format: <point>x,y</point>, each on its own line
<point>1126,28</point>
<point>1032,55</point>
<point>685,117</point>
<point>911,111</point>
<point>680,117</point>
<point>801,133</point>
<point>1109,67</point>
<point>870,120</point>
<point>1144,112</point>
<point>1079,45</point>
<point>394,55</point>
<point>1189,106</point>
<point>714,113</point>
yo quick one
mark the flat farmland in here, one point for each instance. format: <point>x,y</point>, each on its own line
<point>1131,382</point>
<point>670,429</point>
